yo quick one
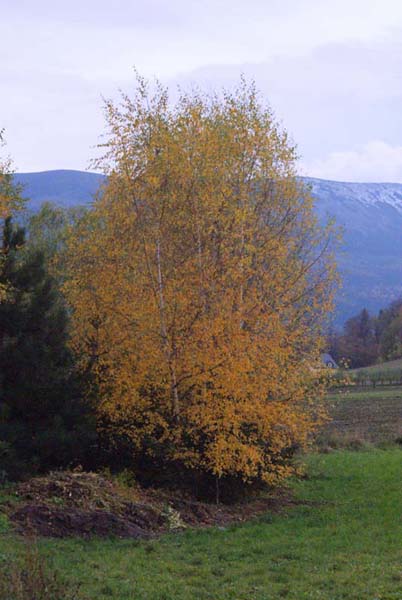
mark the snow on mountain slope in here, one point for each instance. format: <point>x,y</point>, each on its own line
<point>370,194</point>
<point>370,257</point>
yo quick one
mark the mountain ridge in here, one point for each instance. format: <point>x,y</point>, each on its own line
<point>64,187</point>
<point>370,257</point>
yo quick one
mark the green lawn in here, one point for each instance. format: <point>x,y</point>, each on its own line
<point>345,542</point>
<point>367,393</point>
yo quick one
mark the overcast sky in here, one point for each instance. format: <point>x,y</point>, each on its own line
<point>331,70</point>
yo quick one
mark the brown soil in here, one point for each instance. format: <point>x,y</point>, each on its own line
<point>65,504</point>
<point>43,520</point>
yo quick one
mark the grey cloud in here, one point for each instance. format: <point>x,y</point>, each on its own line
<point>92,13</point>
<point>334,98</point>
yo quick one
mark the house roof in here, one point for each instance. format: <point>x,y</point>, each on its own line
<point>329,361</point>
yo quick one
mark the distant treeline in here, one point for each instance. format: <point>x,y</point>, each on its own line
<point>367,339</point>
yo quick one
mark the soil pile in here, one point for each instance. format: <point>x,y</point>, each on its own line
<point>65,504</point>
<point>79,504</point>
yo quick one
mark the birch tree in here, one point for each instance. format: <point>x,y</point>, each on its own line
<point>200,284</point>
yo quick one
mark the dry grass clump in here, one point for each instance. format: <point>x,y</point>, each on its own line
<point>77,489</point>
<point>31,577</point>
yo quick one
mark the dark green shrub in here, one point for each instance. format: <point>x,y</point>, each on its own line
<point>42,414</point>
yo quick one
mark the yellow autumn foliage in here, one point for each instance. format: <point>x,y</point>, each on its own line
<point>10,201</point>
<point>199,284</point>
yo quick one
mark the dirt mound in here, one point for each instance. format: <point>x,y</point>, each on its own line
<point>73,488</point>
<point>195,513</point>
<point>65,504</point>
<point>72,522</point>
<point>69,503</point>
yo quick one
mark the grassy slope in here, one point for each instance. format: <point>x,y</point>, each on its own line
<point>343,543</point>
<point>390,365</point>
<point>367,393</point>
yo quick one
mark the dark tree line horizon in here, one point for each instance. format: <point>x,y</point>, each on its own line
<point>368,339</point>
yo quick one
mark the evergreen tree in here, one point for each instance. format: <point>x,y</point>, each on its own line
<point>389,326</point>
<point>40,408</point>
<point>358,344</point>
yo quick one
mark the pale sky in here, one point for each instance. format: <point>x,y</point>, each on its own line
<point>330,69</point>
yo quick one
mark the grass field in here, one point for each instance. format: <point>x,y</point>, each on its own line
<point>355,393</point>
<point>342,542</point>
<point>390,365</point>
<point>370,409</point>
<point>365,414</point>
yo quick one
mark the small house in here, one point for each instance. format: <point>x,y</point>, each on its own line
<point>328,361</point>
